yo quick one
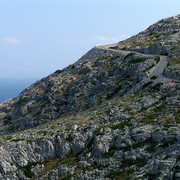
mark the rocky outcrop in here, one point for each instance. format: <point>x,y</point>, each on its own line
<point>149,150</point>
<point>172,74</point>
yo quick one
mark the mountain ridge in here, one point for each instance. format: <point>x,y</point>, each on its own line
<point>113,114</point>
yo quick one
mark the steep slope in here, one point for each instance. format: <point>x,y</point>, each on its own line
<point>90,81</point>
<point>114,113</point>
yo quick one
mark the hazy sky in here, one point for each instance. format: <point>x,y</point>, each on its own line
<point>38,37</point>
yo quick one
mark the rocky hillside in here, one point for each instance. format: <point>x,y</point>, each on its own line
<point>160,38</point>
<point>113,114</point>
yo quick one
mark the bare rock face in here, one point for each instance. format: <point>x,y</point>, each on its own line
<point>113,114</point>
<point>156,48</point>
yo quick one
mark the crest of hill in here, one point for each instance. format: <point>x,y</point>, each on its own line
<point>161,38</point>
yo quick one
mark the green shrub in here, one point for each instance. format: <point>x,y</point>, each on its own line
<point>29,141</point>
<point>114,57</point>
<point>156,87</point>
<point>150,118</point>
<point>27,168</point>
<point>147,84</point>
<point>174,61</point>
<point>100,59</point>
<point>69,138</point>
<point>121,125</point>
<point>124,175</point>
<point>108,154</point>
<point>113,173</point>
<point>129,55</point>
<point>148,68</point>
<point>177,116</point>
<point>110,95</point>
<point>134,61</point>
<point>126,109</point>
<point>129,162</point>
<point>154,77</point>
<point>152,147</point>
<point>157,59</point>
<point>43,104</point>
<point>143,109</point>
<point>18,139</point>
<point>114,47</point>
<point>7,137</point>
<point>8,120</point>
<point>97,173</point>
<point>126,148</point>
<point>69,176</point>
<point>153,34</point>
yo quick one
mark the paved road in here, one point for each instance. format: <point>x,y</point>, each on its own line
<point>155,71</point>
<point>158,70</point>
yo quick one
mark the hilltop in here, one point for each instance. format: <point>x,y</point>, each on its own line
<point>114,113</point>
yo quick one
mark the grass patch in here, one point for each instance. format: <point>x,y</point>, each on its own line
<point>174,61</point>
<point>6,137</point>
<point>52,163</point>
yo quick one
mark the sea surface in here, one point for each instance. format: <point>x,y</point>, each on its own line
<point>12,87</point>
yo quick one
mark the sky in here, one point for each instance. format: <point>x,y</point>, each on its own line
<point>37,37</point>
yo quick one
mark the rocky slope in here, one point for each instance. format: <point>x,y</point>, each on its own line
<point>160,38</point>
<point>113,114</point>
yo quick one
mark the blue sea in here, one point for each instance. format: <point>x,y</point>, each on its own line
<point>12,87</point>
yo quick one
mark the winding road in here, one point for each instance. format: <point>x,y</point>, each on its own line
<point>155,71</point>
